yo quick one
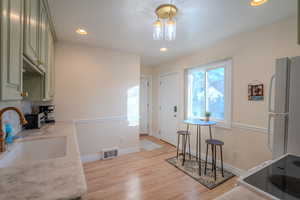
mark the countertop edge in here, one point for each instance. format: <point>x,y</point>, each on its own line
<point>58,178</point>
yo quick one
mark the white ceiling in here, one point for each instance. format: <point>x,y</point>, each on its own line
<point>126,24</point>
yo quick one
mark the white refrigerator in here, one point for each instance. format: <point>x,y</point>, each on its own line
<point>284,108</point>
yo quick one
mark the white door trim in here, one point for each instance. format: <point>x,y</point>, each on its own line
<point>158,135</point>
<point>149,78</point>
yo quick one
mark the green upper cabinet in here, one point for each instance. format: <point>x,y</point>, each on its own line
<point>40,87</point>
<point>49,88</point>
<point>50,75</point>
<point>31,30</point>
<point>43,38</point>
<point>26,51</point>
<point>11,49</point>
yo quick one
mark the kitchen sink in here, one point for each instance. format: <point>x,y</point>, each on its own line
<point>34,150</point>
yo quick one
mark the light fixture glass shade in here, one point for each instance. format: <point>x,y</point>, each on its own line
<point>157,30</point>
<point>170,29</point>
<point>257,2</point>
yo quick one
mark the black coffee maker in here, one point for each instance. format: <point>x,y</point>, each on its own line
<point>48,111</point>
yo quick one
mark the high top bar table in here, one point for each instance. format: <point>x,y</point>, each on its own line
<point>198,123</point>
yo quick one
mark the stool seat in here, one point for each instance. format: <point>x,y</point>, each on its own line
<point>183,132</point>
<point>215,142</point>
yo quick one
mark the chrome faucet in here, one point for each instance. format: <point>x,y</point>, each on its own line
<point>22,121</point>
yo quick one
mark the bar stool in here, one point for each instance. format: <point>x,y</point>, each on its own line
<point>186,137</point>
<point>214,144</point>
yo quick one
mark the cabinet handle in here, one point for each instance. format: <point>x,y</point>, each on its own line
<point>39,62</point>
<point>24,94</point>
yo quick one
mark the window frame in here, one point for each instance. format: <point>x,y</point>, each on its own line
<point>227,65</point>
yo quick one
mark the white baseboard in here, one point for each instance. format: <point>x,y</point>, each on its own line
<point>91,157</point>
<point>156,135</point>
<point>98,156</point>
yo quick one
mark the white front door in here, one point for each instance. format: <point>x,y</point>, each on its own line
<point>169,101</point>
<point>144,105</point>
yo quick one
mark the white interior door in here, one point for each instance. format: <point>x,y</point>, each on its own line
<point>144,105</point>
<point>169,101</point>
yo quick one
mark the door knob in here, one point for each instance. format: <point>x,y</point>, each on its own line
<point>175,109</point>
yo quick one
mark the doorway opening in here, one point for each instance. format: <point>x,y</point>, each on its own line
<point>145,105</point>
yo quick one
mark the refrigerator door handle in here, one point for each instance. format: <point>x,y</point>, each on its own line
<point>269,132</point>
<point>270,93</point>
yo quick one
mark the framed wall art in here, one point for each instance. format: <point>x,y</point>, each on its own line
<point>256,92</point>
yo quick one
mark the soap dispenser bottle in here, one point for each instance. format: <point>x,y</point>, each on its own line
<point>8,133</point>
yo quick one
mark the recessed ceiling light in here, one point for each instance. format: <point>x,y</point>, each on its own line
<point>163,49</point>
<point>81,31</point>
<point>257,2</point>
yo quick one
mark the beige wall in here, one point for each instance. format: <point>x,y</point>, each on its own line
<point>91,88</point>
<point>147,71</point>
<point>253,55</point>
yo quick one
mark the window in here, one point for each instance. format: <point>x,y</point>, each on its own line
<point>208,90</point>
<point>133,106</point>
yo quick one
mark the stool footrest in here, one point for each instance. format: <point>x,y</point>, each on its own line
<point>183,132</point>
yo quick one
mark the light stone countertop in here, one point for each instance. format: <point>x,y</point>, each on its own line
<point>59,178</point>
<point>240,193</point>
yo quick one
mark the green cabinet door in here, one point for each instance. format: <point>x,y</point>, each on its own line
<point>40,87</point>
<point>31,30</point>
<point>43,38</point>
<point>11,49</point>
<point>50,75</point>
<point>52,64</point>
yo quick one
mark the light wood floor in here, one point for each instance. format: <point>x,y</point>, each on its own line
<point>145,175</point>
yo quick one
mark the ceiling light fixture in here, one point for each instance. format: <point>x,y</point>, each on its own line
<point>255,3</point>
<point>163,49</point>
<point>81,31</point>
<point>164,28</point>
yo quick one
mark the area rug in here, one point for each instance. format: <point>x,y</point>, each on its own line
<point>191,168</point>
<point>148,145</point>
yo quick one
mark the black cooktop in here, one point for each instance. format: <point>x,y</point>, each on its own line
<point>280,179</point>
